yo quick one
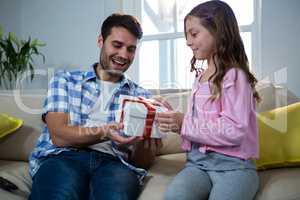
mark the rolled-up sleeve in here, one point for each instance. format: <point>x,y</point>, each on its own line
<point>57,96</point>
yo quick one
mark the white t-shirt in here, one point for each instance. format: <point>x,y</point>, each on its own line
<point>99,113</point>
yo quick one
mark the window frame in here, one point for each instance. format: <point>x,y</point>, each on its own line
<point>134,7</point>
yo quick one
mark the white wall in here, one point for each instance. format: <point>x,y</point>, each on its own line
<point>68,27</point>
<point>281,42</point>
<point>10,17</point>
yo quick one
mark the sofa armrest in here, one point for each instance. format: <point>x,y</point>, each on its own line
<point>17,146</point>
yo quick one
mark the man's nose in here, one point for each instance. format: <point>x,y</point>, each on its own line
<point>124,53</point>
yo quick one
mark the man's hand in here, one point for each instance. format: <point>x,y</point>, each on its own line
<point>111,131</point>
<point>170,121</point>
<point>64,135</point>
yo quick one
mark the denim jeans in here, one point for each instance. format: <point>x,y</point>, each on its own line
<point>84,174</point>
<point>193,183</point>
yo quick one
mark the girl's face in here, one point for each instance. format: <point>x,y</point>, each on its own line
<point>199,39</point>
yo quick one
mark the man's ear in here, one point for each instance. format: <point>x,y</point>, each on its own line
<point>100,41</point>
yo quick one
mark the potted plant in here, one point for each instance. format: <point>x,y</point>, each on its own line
<point>16,58</point>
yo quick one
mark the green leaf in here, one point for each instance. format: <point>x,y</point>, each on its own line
<point>25,49</point>
<point>1,33</point>
<point>31,71</point>
<point>13,38</point>
<point>11,53</point>
<point>34,43</point>
<point>41,44</point>
<point>17,57</point>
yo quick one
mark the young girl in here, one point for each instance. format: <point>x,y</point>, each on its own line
<point>219,130</point>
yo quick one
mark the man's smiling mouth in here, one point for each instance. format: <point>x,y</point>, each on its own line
<point>118,61</point>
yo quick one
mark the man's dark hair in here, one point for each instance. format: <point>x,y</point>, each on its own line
<point>128,22</point>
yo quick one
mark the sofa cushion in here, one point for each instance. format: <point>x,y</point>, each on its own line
<point>279,184</point>
<point>161,174</point>
<point>26,107</point>
<point>17,146</point>
<point>17,173</point>
<point>5,195</point>
<point>171,144</point>
<point>274,96</point>
<point>279,137</point>
<point>8,124</point>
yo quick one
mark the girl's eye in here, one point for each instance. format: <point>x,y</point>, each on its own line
<point>193,34</point>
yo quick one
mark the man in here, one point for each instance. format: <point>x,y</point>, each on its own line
<point>81,153</point>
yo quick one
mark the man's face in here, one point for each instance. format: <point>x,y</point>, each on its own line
<point>117,51</point>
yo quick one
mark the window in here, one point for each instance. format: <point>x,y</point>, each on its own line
<point>164,59</point>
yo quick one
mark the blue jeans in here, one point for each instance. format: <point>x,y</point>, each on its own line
<point>84,174</point>
<point>193,183</point>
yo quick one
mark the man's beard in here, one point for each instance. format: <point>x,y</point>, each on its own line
<point>111,72</point>
<point>105,66</point>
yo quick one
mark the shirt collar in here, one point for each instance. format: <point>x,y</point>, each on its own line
<point>91,75</point>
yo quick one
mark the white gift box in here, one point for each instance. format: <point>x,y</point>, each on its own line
<point>138,116</point>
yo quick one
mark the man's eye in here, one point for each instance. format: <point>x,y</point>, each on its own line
<point>117,45</point>
<point>132,50</point>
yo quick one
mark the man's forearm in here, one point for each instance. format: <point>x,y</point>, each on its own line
<point>76,136</point>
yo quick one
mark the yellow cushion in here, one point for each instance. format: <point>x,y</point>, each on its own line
<point>279,134</point>
<point>8,124</point>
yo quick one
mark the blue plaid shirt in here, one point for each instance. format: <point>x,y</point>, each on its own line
<point>76,93</point>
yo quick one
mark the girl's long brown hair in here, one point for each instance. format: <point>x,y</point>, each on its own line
<point>218,18</point>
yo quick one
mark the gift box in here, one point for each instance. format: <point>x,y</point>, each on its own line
<point>138,116</point>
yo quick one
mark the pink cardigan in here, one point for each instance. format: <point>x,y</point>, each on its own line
<point>226,125</point>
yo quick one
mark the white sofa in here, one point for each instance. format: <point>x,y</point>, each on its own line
<point>275,184</point>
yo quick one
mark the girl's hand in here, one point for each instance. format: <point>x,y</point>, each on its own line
<point>163,102</point>
<point>170,121</point>
<point>159,101</point>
